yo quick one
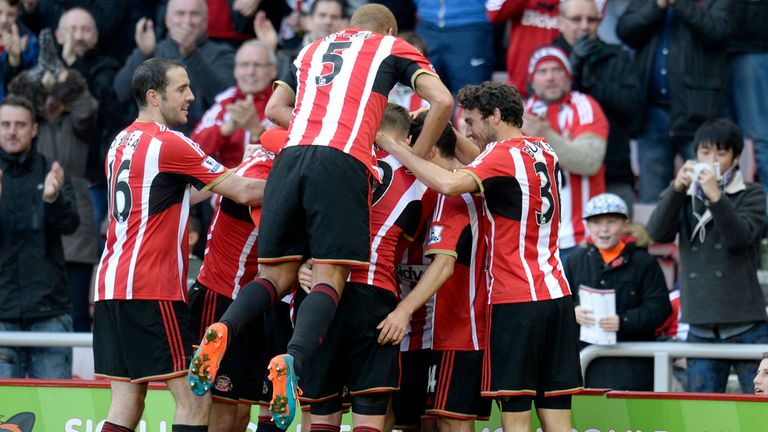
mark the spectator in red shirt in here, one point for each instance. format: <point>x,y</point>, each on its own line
<point>533,23</point>
<point>237,117</point>
<point>574,125</point>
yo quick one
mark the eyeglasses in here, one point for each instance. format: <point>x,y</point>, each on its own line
<point>255,65</point>
<point>578,19</point>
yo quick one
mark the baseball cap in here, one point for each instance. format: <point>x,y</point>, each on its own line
<point>273,139</point>
<point>606,203</point>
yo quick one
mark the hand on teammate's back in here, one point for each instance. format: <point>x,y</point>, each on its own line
<point>393,327</point>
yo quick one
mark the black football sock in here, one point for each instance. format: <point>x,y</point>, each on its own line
<point>313,320</point>
<point>266,424</point>
<point>252,301</point>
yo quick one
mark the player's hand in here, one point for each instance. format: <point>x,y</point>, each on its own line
<point>683,178</point>
<point>245,7</point>
<point>53,183</point>
<point>305,276</point>
<point>385,142</point>
<point>250,150</point>
<point>609,323</point>
<point>264,29</point>
<point>535,125</point>
<point>145,36</point>
<point>416,113</point>
<point>393,327</point>
<point>708,181</point>
<point>584,316</point>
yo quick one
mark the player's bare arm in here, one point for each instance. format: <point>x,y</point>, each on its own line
<point>279,108</point>
<point>243,190</point>
<point>394,325</point>
<point>437,178</point>
<point>431,89</point>
<point>196,196</point>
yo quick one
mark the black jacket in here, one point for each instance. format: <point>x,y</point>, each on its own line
<point>698,39</point>
<point>607,76</point>
<point>33,281</point>
<point>718,278</point>
<point>99,72</point>
<point>750,27</point>
<point>642,302</point>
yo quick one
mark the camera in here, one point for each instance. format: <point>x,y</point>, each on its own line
<point>699,166</point>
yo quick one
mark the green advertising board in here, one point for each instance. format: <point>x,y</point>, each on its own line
<point>82,409</point>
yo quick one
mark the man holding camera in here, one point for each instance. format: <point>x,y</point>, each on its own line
<point>720,220</point>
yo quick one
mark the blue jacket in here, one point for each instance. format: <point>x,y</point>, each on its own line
<point>451,13</point>
<point>28,59</point>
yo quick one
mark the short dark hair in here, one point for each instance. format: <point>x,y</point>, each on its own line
<point>396,118</point>
<point>488,95</point>
<point>341,3</point>
<point>415,40</point>
<point>151,75</point>
<point>21,102</point>
<point>722,133</point>
<point>446,143</point>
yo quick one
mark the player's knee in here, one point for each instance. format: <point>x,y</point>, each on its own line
<point>562,402</point>
<point>282,276</point>
<point>515,404</point>
<point>372,404</point>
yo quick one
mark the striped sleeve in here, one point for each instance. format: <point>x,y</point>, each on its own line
<point>182,156</point>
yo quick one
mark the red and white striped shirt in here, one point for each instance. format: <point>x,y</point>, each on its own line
<point>534,23</point>
<point>522,211</point>
<point>341,83</point>
<point>460,304</point>
<point>418,335</point>
<point>231,258</point>
<point>575,115</point>
<point>229,150</point>
<point>149,172</point>
<point>396,212</point>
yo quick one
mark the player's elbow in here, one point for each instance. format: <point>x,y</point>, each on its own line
<point>445,264</point>
<point>442,101</point>
<point>454,184</point>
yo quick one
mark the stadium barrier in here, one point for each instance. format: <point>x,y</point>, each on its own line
<point>80,406</point>
<point>664,352</point>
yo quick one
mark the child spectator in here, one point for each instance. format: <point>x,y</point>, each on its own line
<point>642,303</point>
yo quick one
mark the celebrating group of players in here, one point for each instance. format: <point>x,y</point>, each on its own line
<point>468,223</point>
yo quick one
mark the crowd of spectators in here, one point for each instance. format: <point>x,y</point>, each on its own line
<point>677,65</point>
